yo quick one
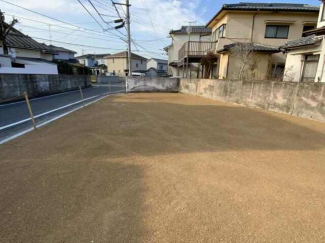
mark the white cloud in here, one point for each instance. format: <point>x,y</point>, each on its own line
<point>165,15</point>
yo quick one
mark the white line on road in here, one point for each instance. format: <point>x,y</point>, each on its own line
<point>45,113</point>
<point>51,120</point>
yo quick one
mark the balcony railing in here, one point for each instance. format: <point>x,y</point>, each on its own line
<point>196,49</point>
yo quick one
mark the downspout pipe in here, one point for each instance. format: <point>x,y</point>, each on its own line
<point>253,25</point>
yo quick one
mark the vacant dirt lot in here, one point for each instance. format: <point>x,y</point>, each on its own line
<point>165,168</point>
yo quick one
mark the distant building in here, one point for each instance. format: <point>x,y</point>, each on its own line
<point>92,60</point>
<point>117,63</point>
<point>63,54</point>
<point>26,56</point>
<point>157,67</point>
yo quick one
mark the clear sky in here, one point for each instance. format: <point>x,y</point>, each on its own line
<point>151,22</point>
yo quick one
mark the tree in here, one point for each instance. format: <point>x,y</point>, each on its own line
<point>4,31</point>
<point>243,54</point>
<point>207,63</point>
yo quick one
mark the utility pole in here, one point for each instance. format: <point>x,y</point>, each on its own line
<point>128,28</point>
<point>129,37</point>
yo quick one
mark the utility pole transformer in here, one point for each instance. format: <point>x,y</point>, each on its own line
<point>129,37</point>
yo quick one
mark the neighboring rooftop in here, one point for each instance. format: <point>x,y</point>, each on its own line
<point>16,39</point>
<point>93,56</point>
<point>124,54</point>
<point>195,29</point>
<point>287,7</point>
<point>159,61</point>
<point>60,49</point>
<point>303,41</point>
<point>256,47</point>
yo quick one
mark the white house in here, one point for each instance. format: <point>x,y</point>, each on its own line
<point>26,56</point>
<point>306,56</point>
<point>179,38</point>
<point>63,54</point>
<point>157,67</point>
<point>96,62</point>
<point>92,60</point>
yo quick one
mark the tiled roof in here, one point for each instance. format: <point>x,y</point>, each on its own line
<point>287,7</point>
<point>256,47</point>
<point>160,61</point>
<point>303,41</point>
<point>195,29</point>
<point>125,54</point>
<point>271,6</point>
<point>16,39</point>
<point>58,48</point>
<point>93,56</point>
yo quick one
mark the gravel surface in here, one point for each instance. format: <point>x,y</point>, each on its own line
<point>165,168</point>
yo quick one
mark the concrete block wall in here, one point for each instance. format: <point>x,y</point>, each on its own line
<point>152,84</point>
<point>13,86</point>
<point>305,100</point>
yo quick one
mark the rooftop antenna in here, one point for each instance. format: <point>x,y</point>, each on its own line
<point>50,34</point>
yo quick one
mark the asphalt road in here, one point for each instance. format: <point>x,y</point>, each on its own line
<point>14,117</point>
<point>140,168</point>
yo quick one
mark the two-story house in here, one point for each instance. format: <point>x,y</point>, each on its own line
<point>306,56</point>
<point>182,39</point>
<point>157,67</point>
<point>265,27</point>
<point>117,64</point>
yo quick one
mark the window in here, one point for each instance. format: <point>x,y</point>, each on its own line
<point>17,65</point>
<point>137,65</point>
<point>219,33</point>
<point>141,61</point>
<point>161,67</point>
<point>310,68</point>
<point>308,27</point>
<point>277,31</point>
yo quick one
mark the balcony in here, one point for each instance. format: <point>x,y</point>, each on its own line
<point>194,51</point>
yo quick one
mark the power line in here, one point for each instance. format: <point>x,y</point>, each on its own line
<point>94,47</point>
<point>70,34</point>
<point>91,14</point>
<point>61,21</point>
<point>81,29</point>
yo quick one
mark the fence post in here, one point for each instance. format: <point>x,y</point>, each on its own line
<point>82,96</point>
<point>30,110</point>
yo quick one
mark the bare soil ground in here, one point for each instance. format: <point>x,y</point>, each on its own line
<point>165,168</point>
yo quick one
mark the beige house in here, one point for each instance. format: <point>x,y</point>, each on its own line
<point>265,26</point>
<point>117,64</point>
<point>180,42</point>
<point>306,56</point>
